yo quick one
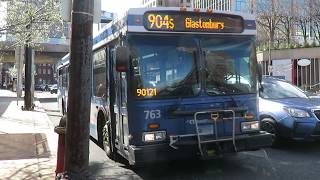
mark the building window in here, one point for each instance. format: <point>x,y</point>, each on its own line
<point>238,5</point>
<point>160,2</point>
<point>49,71</point>
<point>44,71</point>
<point>39,70</point>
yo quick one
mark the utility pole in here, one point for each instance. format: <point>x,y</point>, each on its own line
<point>78,114</point>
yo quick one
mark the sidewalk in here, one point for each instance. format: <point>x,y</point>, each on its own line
<point>28,143</point>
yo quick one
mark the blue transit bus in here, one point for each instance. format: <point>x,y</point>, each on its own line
<point>173,83</point>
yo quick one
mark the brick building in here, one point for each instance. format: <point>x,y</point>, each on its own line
<point>44,74</point>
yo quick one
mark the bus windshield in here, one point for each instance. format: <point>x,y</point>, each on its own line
<point>230,65</point>
<point>164,66</point>
<point>170,66</point>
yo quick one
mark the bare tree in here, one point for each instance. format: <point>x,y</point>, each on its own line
<point>268,17</point>
<point>315,18</point>
<point>302,18</point>
<point>286,13</point>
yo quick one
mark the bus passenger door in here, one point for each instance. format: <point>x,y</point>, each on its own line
<point>120,109</point>
<point>116,107</point>
<point>124,111</point>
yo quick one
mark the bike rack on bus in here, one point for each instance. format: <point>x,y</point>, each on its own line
<point>214,118</point>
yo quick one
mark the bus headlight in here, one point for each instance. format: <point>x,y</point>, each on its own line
<point>250,126</point>
<point>154,136</point>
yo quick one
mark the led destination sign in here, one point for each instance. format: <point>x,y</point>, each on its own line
<point>193,22</point>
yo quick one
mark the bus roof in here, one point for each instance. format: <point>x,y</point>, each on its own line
<point>134,21</point>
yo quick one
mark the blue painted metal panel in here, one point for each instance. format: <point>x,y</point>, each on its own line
<point>182,124</point>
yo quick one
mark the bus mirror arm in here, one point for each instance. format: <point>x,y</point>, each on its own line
<point>122,58</point>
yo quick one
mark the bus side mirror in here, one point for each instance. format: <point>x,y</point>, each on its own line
<point>122,58</point>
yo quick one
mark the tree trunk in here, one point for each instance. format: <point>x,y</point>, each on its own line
<point>78,114</point>
<point>28,103</point>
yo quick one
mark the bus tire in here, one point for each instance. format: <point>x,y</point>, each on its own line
<point>107,142</point>
<point>105,137</point>
<point>101,122</point>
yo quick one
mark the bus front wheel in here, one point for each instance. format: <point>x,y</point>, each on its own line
<point>107,142</point>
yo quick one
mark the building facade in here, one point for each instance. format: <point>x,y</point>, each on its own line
<point>287,64</point>
<point>166,3</point>
<point>5,77</point>
<point>45,74</point>
<point>247,6</point>
<point>221,5</point>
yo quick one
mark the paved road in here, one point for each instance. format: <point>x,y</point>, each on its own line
<point>49,103</point>
<point>291,161</point>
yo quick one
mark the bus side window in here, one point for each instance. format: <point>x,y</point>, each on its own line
<point>60,77</point>
<point>99,73</point>
<point>64,77</point>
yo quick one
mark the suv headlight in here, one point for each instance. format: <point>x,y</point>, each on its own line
<point>299,113</point>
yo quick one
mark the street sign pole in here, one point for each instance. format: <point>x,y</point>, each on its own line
<point>78,114</point>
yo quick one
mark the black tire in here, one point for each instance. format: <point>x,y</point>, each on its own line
<point>108,143</point>
<point>105,140</point>
<point>101,123</point>
<point>269,125</point>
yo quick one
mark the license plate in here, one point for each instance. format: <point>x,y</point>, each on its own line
<point>205,129</point>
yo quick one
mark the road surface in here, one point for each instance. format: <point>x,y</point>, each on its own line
<point>293,160</point>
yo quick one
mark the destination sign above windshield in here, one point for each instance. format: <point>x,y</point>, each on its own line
<point>192,22</point>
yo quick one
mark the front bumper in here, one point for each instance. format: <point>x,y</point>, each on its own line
<point>188,148</point>
<point>306,131</point>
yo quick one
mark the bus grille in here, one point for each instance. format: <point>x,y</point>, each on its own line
<point>317,113</point>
